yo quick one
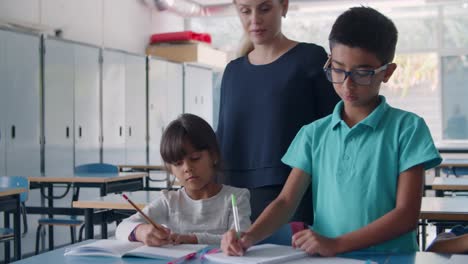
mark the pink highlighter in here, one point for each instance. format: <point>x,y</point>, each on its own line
<point>183,258</point>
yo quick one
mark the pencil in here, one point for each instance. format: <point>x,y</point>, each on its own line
<point>149,220</point>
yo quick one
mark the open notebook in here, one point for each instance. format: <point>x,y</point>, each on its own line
<point>270,254</point>
<point>117,248</point>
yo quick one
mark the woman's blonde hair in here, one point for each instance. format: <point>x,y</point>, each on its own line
<point>246,46</point>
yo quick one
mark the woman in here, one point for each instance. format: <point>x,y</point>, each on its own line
<point>267,95</point>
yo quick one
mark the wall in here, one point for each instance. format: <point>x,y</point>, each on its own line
<point>122,24</point>
<point>119,24</point>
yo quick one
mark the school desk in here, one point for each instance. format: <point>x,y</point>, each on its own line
<point>107,183</point>
<point>10,202</point>
<point>442,184</point>
<point>104,208</point>
<point>56,256</point>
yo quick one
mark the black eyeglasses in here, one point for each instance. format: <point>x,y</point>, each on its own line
<point>359,77</point>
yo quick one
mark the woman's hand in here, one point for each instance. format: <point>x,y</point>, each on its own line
<point>151,236</point>
<point>231,245</point>
<point>313,243</point>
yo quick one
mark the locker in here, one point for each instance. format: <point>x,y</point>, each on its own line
<point>113,107</point>
<point>21,103</point>
<point>135,107</point>
<point>87,102</point>
<point>3,67</point>
<point>59,74</point>
<point>198,91</point>
<point>165,92</point>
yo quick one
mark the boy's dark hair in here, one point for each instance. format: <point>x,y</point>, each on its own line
<point>188,128</point>
<point>366,28</point>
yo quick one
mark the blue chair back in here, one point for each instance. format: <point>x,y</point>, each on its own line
<point>456,171</point>
<point>96,168</point>
<point>16,182</point>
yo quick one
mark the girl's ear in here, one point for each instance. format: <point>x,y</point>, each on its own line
<point>167,166</point>
<point>215,158</point>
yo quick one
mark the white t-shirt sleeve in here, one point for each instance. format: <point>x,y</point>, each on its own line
<point>156,210</point>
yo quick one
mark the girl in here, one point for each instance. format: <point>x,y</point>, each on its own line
<point>199,212</point>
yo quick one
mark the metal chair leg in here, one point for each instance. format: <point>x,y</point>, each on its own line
<point>38,236</point>
<point>72,234</point>
<point>80,236</point>
<point>7,252</point>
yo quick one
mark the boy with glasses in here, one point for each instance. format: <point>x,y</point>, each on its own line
<point>365,161</point>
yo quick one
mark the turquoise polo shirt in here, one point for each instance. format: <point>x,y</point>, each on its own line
<point>355,170</point>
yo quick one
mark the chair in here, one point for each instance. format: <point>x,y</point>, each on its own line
<point>283,236</point>
<point>73,222</point>
<point>96,168</point>
<point>7,234</point>
<point>456,171</point>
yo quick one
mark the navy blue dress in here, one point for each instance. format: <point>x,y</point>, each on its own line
<point>262,107</point>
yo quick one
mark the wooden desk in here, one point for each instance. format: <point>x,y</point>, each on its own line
<point>441,184</point>
<point>444,208</point>
<point>111,202</point>
<point>107,183</point>
<point>10,202</point>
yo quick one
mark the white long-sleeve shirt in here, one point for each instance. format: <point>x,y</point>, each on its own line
<point>208,219</point>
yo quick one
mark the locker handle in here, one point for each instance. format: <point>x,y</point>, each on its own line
<point>201,99</point>
<point>129,131</point>
<point>120,130</point>
<point>13,130</point>
<point>79,131</point>
<point>67,132</point>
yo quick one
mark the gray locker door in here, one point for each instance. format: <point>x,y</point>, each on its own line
<point>113,107</point>
<point>23,104</point>
<point>87,118</point>
<point>135,106</point>
<point>175,90</point>
<point>58,107</point>
<point>199,92</point>
<point>157,96</point>
<point>3,67</point>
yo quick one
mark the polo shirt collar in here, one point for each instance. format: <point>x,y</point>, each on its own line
<point>371,120</point>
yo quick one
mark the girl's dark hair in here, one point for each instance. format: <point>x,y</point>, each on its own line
<point>188,128</point>
<point>366,28</point>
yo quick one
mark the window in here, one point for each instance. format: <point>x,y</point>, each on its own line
<point>432,56</point>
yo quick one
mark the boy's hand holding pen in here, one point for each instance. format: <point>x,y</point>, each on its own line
<point>235,242</point>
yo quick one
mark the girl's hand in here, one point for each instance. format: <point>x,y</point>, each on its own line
<point>231,245</point>
<point>183,239</point>
<point>151,236</point>
<point>313,243</point>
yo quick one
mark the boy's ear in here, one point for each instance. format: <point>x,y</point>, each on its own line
<point>389,71</point>
<point>285,4</point>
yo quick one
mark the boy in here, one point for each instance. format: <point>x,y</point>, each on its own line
<point>365,161</point>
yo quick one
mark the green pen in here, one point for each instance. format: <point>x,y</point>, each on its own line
<point>235,214</point>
